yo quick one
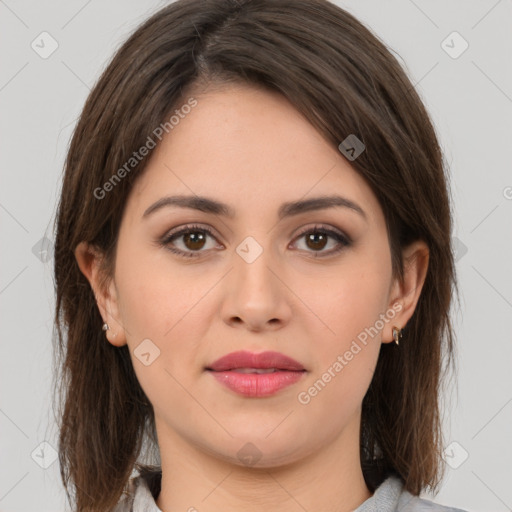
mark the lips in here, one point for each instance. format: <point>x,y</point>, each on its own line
<point>256,375</point>
<point>244,360</point>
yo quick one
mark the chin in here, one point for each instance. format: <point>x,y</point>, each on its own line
<point>257,452</point>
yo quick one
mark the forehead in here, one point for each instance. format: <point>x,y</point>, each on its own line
<point>249,148</point>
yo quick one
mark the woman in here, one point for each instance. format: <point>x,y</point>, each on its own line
<point>254,270</point>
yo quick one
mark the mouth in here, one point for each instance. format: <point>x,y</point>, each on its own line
<point>256,375</point>
<point>255,370</point>
<point>252,361</point>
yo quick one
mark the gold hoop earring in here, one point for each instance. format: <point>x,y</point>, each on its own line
<point>397,334</point>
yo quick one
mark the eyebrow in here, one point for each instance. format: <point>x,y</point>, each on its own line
<point>208,205</point>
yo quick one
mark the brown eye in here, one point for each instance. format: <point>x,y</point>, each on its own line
<point>192,240</point>
<point>317,239</point>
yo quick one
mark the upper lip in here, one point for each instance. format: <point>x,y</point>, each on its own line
<point>245,359</point>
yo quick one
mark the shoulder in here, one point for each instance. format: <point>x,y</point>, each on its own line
<point>409,503</point>
<point>390,496</point>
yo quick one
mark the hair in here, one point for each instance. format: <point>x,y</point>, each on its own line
<point>344,80</point>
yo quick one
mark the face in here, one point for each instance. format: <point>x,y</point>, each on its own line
<point>314,285</point>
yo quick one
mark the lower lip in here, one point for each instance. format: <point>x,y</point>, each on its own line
<point>257,384</point>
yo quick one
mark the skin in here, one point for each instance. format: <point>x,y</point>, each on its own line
<point>252,150</point>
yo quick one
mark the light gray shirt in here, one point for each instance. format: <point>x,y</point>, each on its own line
<point>390,496</point>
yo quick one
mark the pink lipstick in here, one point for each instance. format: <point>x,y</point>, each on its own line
<point>256,375</point>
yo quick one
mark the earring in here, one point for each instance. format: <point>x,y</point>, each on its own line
<point>106,327</point>
<point>397,334</point>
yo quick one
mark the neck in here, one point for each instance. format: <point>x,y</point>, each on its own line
<point>330,479</point>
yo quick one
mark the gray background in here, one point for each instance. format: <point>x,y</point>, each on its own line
<point>470,100</point>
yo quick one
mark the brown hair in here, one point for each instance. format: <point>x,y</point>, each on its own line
<point>344,80</point>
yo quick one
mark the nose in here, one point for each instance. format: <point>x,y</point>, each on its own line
<point>255,294</point>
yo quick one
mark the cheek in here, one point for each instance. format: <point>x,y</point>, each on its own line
<point>352,301</point>
<point>155,295</point>
<point>346,355</point>
<point>350,305</point>
<point>162,304</point>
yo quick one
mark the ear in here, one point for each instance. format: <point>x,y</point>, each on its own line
<point>407,293</point>
<point>89,260</point>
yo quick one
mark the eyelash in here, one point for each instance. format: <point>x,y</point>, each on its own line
<point>343,240</point>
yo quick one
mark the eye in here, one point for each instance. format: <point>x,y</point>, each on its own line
<point>193,239</point>
<point>317,239</point>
